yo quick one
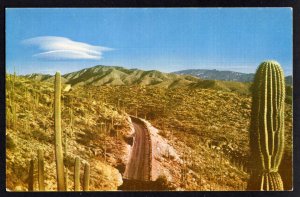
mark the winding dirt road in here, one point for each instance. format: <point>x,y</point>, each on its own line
<point>139,165</point>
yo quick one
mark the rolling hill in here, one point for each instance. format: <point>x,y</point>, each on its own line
<point>119,76</point>
<point>114,75</point>
<point>100,75</point>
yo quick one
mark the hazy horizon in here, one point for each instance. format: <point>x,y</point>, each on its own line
<point>132,68</point>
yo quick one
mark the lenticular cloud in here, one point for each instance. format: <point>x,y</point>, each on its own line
<point>61,48</point>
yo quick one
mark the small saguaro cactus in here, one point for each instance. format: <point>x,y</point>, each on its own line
<point>86,180</point>
<point>58,134</point>
<point>71,118</point>
<point>66,178</point>
<point>31,175</point>
<point>41,170</point>
<point>13,81</point>
<point>77,174</point>
<point>36,99</point>
<point>8,117</point>
<point>26,92</point>
<point>267,127</point>
<point>14,113</point>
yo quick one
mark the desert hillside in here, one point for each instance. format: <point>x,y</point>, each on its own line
<point>203,122</point>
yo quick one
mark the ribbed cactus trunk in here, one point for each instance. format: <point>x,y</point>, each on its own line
<point>86,179</point>
<point>41,170</point>
<point>77,174</point>
<point>267,127</point>
<point>58,134</point>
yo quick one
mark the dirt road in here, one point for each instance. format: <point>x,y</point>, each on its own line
<point>139,165</point>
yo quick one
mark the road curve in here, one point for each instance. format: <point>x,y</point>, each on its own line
<point>139,165</point>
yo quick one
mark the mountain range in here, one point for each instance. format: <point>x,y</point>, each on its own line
<point>117,76</point>
<point>114,75</point>
<point>224,75</point>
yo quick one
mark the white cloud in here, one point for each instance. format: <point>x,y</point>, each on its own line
<point>61,48</point>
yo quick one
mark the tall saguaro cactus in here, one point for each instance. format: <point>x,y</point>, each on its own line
<point>58,134</point>
<point>41,170</point>
<point>267,127</point>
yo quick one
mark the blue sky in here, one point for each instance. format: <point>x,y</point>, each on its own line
<point>237,39</point>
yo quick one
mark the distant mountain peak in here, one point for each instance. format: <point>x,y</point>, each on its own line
<point>214,74</point>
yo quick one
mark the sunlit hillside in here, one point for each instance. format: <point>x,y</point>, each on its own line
<point>205,121</point>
